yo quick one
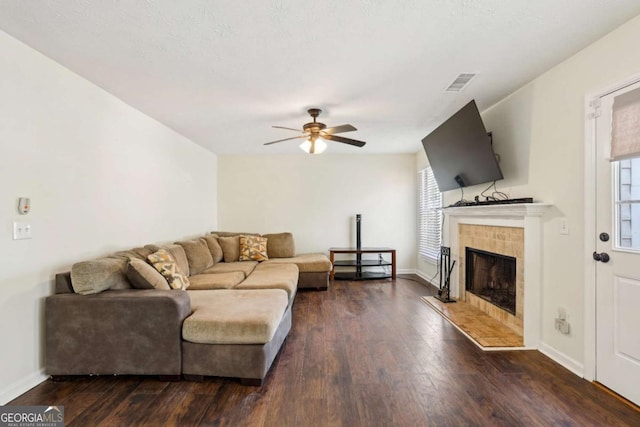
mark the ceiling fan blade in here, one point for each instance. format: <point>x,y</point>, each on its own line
<point>286,139</point>
<point>339,129</point>
<point>345,140</point>
<point>282,127</point>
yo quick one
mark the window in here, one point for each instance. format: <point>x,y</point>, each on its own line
<point>627,203</point>
<point>429,216</point>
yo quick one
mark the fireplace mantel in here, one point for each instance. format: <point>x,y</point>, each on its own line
<point>509,210</point>
<point>528,216</point>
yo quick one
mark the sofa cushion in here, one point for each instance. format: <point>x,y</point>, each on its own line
<point>166,264</point>
<point>215,281</point>
<point>214,247</point>
<point>230,316</point>
<point>280,245</point>
<point>232,234</point>
<point>176,252</point>
<point>230,248</point>
<point>138,253</point>
<point>272,276</point>
<point>198,255</point>
<point>143,276</point>
<point>312,263</point>
<point>95,276</point>
<point>253,248</point>
<point>245,267</point>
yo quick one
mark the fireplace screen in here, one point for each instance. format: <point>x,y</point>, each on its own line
<point>492,277</point>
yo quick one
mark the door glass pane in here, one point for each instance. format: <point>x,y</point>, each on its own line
<point>628,203</point>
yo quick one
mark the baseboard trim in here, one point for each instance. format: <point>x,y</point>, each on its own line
<point>7,394</point>
<point>424,277</point>
<point>561,358</point>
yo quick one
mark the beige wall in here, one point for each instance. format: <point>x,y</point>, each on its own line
<point>317,198</point>
<point>101,177</point>
<point>539,132</point>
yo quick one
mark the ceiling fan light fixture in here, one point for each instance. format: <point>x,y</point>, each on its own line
<point>316,134</point>
<point>311,147</point>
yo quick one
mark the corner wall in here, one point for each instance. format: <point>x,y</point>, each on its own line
<point>101,177</point>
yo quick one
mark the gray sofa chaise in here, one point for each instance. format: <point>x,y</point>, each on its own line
<point>206,307</point>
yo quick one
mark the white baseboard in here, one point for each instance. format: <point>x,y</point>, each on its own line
<point>426,278</point>
<point>7,394</point>
<point>561,358</point>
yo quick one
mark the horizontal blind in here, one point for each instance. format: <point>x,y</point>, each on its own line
<point>429,216</point>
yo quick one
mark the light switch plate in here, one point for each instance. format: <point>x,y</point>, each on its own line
<point>21,230</point>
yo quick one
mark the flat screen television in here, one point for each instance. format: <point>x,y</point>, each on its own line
<point>460,151</point>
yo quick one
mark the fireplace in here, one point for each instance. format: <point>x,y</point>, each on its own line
<point>492,277</point>
<point>510,230</point>
<point>492,273</point>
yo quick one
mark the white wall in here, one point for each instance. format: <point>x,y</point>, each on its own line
<point>539,132</point>
<point>317,198</point>
<point>101,177</point>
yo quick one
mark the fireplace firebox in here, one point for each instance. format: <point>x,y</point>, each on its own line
<point>492,277</point>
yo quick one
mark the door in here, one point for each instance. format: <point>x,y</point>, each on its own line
<point>617,260</point>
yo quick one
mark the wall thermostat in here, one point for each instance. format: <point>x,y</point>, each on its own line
<point>24,204</point>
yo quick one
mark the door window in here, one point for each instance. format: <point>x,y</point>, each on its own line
<point>627,204</point>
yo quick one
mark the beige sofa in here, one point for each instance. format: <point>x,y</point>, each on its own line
<point>118,315</point>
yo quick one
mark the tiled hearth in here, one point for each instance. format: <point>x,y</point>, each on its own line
<point>511,230</point>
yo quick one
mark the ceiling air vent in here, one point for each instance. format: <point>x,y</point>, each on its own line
<point>460,82</point>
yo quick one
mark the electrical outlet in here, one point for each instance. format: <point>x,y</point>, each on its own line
<point>564,226</point>
<point>563,326</point>
<point>21,230</point>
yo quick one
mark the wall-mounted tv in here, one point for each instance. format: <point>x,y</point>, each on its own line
<point>460,151</point>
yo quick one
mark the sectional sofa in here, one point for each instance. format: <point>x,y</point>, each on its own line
<point>218,305</point>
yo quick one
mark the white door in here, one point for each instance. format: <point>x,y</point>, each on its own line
<point>618,279</point>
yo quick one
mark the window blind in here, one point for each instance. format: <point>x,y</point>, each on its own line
<point>625,126</point>
<point>429,216</point>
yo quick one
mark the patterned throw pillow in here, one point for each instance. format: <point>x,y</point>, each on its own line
<point>253,248</point>
<point>166,264</point>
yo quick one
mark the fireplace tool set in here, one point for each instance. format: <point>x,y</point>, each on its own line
<point>446,267</point>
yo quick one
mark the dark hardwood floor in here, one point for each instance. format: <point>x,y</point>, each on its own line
<point>360,354</point>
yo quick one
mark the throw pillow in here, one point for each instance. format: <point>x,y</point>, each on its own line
<point>230,248</point>
<point>214,247</point>
<point>176,251</point>
<point>280,245</point>
<point>198,255</point>
<point>253,248</point>
<point>143,276</point>
<point>166,264</point>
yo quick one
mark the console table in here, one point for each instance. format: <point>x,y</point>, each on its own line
<point>360,265</point>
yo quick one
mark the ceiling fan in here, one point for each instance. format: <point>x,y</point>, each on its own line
<point>315,132</point>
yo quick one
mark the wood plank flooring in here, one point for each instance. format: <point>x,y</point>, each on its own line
<point>361,354</point>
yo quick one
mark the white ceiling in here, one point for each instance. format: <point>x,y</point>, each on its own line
<point>223,72</point>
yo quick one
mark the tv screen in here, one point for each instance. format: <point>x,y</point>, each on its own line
<point>460,151</point>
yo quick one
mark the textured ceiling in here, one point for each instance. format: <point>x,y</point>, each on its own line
<point>223,72</point>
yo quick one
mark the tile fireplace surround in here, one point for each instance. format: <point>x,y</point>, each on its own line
<point>513,230</point>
